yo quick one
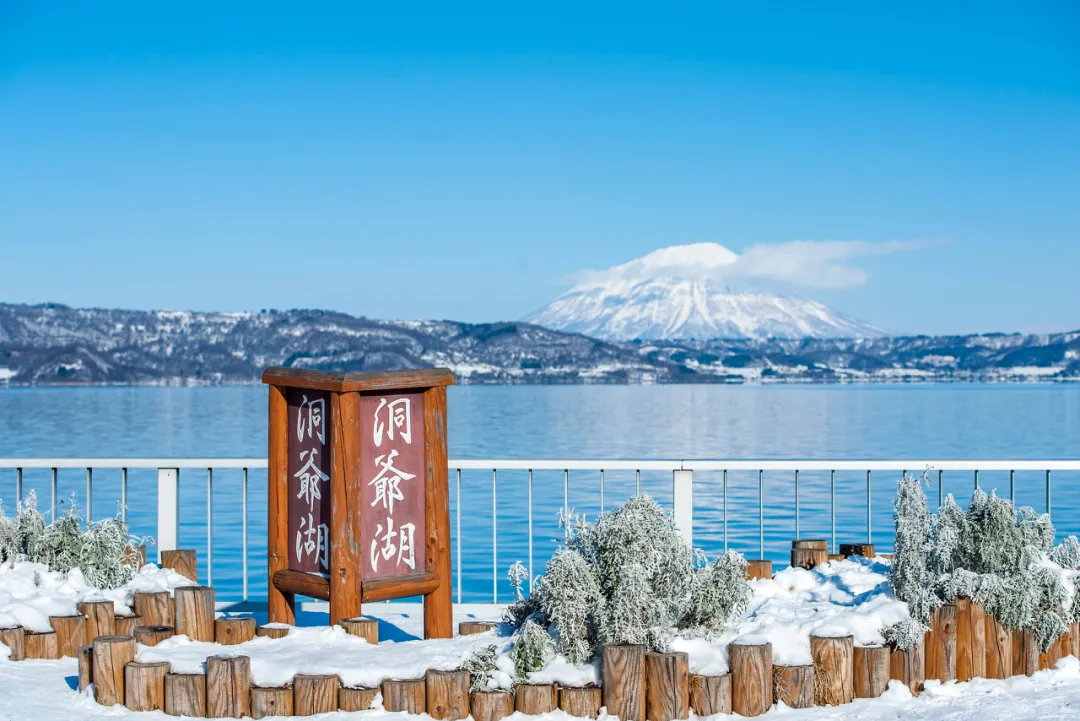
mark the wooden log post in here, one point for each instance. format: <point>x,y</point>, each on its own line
<point>447,694</point>
<point>152,635</point>
<point>100,618</point>
<point>275,631</point>
<point>758,569</point>
<point>808,554</point>
<point>356,699</point>
<point>144,685</point>
<point>86,667</point>
<point>710,694</point>
<point>111,654</point>
<point>470,628</point>
<point>195,612</point>
<point>533,699</point>
<point>126,625</point>
<point>908,666</point>
<point>751,678</point>
<point>835,557</point>
<point>1025,656</point>
<point>70,634</point>
<point>234,630</point>
<point>667,686</point>
<point>871,671</point>
<point>228,687</point>
<point>314,694</point>
<point>794,685</point>
<point>41,645</point>
<point>1049,658</point>
<point>998,648</point>
<point>185,694</point>
<point>834,661</point>
<point>183,562</point>
<point>1074,637</point>
<point>580,701</point>
<point>941,644</point>
<point>622,667</point>
<point>14,637</point>
<point>271,701</point>
<point>365,628</point>
<point>491,705</point>
<point>866,550</point>
<point>970,639</point>
<point>153,608</point>
<point>406,695</point>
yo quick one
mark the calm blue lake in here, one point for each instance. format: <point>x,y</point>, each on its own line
<point>617,422</point>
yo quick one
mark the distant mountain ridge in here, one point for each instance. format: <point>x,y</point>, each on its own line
<point>671,294</point>
<point>55,345</point>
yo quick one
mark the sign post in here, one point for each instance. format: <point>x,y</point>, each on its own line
<point>358,498</point>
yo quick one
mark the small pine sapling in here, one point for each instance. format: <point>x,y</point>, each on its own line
<point>634,614</point>
<point>570,600</point>
<point>908,574</point>
<point>947,539</point>
<point>719,596</point>
<point>30,530</point>
<point>481,666</point>
<point>993,544</point>
<point>532,648</point>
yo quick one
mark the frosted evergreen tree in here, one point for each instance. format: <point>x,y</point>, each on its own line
<point>1035,530</point>
<point>517,576</point>
<point>1067,554</point>
<point>30,529</point>
<point>9,536</point>
<point>719,596</point>
<point>63,540</point>
<point>481,665</point>
<point>570,601</point>
<point>947,540</point>
<point>908,574</point>
<point>532,648</point>
<point>994,543</point>
<point>634,614</point>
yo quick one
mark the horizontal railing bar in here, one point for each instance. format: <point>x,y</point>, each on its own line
<point>502,464</point>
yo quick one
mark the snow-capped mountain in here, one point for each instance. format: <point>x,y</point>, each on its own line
<point>679,293</point>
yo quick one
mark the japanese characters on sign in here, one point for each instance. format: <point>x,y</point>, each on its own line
<point>308,480</point>
<point>392,485</point>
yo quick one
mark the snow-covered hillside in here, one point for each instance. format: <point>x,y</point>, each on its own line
<point>673,293</point>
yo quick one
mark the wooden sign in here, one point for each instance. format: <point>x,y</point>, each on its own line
<point>358,504</point>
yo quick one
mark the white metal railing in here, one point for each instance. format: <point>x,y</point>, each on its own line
<point>682,470</point>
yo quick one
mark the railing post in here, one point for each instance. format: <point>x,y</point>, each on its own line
<point>683,497</point>
<point>168,509</point>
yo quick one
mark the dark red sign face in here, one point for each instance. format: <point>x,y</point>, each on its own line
<point>308,478</point>
<point>393,519</point>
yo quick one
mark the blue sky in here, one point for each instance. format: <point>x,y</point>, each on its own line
<point>444,161</point>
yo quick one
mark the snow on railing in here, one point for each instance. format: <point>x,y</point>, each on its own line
<point>682,470</point>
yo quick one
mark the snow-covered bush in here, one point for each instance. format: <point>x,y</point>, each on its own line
<point>481,665</point>
<point>909,575</point>
<point>532,648</point>
<point>719,595</point>
<point>571,601</point>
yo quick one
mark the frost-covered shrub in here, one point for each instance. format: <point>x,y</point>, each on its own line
<point>571,601</point>
<point>517,576</point>
<point>481,665</point>
<point>993,544</point>
<point>948,536</point>
<point>634,614</point>
<point>1067,554</point>
<point>908,574</point>
<point>9,535</point>
<point>30,530</point>
<point>532,648</point>
<point>719,595</point>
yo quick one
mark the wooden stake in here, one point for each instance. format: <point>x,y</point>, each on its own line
<point>532,699</point>
<point>908,667</point>
<point>870,671</point>
<point>153,608</point>
<point>365,628</point>
<point>15,639</point>
<point>183,562</point>
<point>447,694</point>
<point>667,686</point>
<point>152,635</point>
<point>195,612</point>
<point>405,695</point>
<point>758,569</point>
<point>710,694</point>
<point>70,634</point>
<point>998,649</point>
<point>228,687</point>
<point>941,644</point>
<point>126,625</point>
<point>234,630</point>
<point>970,640</point>
<point>111,654</point>
<point>811,545</point>
<point>1074,636</point>
<point>751,678</point>
<point>580,702</point>
<point>623,669</point>
<point>272,631</point>
<point>866,550</point>
<point>41,645</point>
<point>314,694</point>
<point>794,685</point>
<point>834,659</point>
<point>100,618</point>
<point>808,554</point>
<point>144,685</point>
<point>1049,658</point>
<point>185,694</point>
<point>275,701</point>
<point>86,666</point>
<point>469,628</point>
<point>835,557</point>
<point>1025,656</point>
<point>356,699</point>
<point>491,705</point>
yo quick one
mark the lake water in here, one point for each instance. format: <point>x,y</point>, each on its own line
<point>611,422</point>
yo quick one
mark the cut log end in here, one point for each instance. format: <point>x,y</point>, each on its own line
<point>751,678</point>
<point>667,686</point>
<point>866,550</point>
<point>183,562</point>
<point>315,694</point>
<point>758,569</point>
<point>194,612</point>
<point>228,686</point>
<point>532,699</point>
<point>271,701</point>
<point>185,694</point>
<point>623,688</point>
<point>14,637</point>
<point>794,685</point>
<point>447,694</point>
<point>41,645</point>
<point>70,634</point>
<point>144,685</point>
<point>491,705</point>
<point>152,635</point>
<point>365,628</point>
<point>710,695</point>
<point>356,699</point>
<point>272,631</point>
<point>833,661</point>
<point>407,695</point>
<point>111,655</point>
<point>871,671</point>
<point>580,702</point>
<point>230,631</point>
<point>470,628</point>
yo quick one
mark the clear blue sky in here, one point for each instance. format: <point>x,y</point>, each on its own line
<point>460,162</point>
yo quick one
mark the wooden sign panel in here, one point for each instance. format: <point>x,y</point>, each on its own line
<point>393,521</point>
<point>308,480</point>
